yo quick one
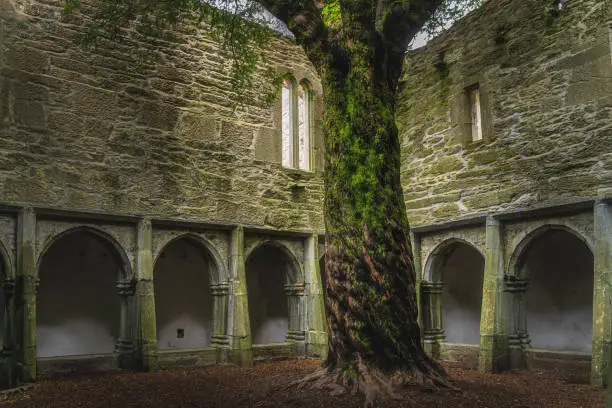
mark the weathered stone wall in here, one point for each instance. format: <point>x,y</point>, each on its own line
<point>112,131</point>
<point>545,78</point>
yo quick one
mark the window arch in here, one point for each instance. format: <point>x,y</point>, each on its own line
<point>296,124</point>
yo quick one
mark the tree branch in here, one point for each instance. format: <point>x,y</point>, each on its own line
<point>400,23</point>
<point>304,20</point>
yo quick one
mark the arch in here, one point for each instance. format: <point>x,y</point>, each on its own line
<point>79,310</point>
<point>295,274</point>
<point>557,265</point>
<point>432,271</point>
<point>520,250</point>
<point>115,248</point>
<point>218,266</point>
<point>184,303</point>
<point>273,282</point>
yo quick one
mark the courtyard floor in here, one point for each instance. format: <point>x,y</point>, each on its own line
<point>266,385</point>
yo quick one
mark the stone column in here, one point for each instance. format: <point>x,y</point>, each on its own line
<point>296,332</point>
<point>518,338</point>
<point>415,242</point>
<point>493,355</point>
<point>316,337</point>
<point>27,281</point>
<point>239,328</point>
<point>125,343</point>
<point>220,339</point>
<point>433,331</point>
<point>602,291</point>
<point>9,369</point>
<point>145,294</point>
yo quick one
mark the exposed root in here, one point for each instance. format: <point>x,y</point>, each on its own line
<point>375,385</point>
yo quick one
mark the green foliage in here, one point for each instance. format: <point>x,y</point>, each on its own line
<point>332,15</point>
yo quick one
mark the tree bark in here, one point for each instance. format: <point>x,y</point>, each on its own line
<point>370,293</point>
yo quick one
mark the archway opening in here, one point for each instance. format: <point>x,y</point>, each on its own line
<point>3,309</point>
<point>462,272</point>
<point>183,302</point>
<point>559,298</point>
<point>78,309</point>
<point>268,269</point>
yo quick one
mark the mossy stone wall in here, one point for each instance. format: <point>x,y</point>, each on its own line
<point>121,130</point>
<point>545,79</point>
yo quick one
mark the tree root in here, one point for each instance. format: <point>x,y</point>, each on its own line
<point>374,384</point>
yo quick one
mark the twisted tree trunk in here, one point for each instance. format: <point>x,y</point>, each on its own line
<point>370,293</point>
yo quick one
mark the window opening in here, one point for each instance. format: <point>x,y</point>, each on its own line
<point>303,128</point>
<point>287,124</point>
<point>476,113</point>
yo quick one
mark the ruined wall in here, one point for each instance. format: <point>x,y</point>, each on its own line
<point>116,131</point>
<point>545,80</point>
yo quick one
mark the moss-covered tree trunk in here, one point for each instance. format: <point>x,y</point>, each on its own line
<point>370,293</point>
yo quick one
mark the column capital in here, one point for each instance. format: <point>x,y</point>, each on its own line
<point>220,289</point>
<point>8,286</point>
<point>434,288</point>
<point>515,284</point>
<point>295,289</point>
<point>126,287</point>
<point>30,284</point>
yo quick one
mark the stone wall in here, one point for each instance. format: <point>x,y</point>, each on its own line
<point>545,79</point>
<point>145,128</point>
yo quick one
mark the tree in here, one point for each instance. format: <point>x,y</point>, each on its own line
<point>357,48</point>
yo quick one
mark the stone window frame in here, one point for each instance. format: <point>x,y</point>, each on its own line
<point>294,117</point>
<point>461,108</point>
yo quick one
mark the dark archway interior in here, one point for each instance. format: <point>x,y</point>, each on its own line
<point>559,298</point>
<point>78,310</point>
<point>183,302</point>
<point>267,270</point>
<point>2,300</point>
<point>322,272</point>
<point>462,274</point>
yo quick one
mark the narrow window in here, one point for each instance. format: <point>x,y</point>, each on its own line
<point>476,115</point>
<point>287,124</point>
<point>303,128</point>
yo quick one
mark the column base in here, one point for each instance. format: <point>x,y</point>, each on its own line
<point>241,357</point>
<point>601,355</point>
<point>493,354</point>
<point>316,344</point>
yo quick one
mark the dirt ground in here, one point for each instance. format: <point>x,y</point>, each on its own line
<point>266,385</point>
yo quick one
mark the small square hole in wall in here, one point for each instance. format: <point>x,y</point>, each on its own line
<point>180,333</point>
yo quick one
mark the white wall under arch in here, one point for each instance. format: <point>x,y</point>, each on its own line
<point>78,309</point>
<point>183,302</point>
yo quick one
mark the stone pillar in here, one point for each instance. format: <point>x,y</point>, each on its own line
<point>415,242</point>
<point>239,328</point>
<point>145,294</point>
<point>433,331</point>
<point>9,368</point>
<point>316,337</point>
<point>297,316</point>
<point>27,281</point>
<point>125,343</point>
<point>220,339</point>
<point>493,355</point>
<point>518,338</point>
<point>602,291</point>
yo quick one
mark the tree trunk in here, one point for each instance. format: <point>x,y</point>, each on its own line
<point>370,293</point>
